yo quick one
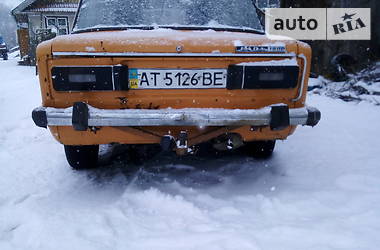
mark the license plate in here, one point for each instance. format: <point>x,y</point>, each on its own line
<point>177,78</point>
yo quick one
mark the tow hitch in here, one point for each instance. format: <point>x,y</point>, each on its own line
<point>180,146</point>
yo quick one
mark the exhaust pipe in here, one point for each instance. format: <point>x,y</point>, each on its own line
<point>167,143</point>
<point>228,142</point>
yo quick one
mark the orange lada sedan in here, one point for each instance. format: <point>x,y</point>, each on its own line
<point>174,73</point>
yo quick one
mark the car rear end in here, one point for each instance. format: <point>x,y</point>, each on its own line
<point>204,83</point>
<point>199,73</point>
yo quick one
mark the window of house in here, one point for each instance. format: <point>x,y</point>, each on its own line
<point>268,3</point>
<point>60,25</point>
<point>51,22</point>
<point>62,21</point>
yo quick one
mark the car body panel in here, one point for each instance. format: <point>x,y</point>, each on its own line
<point>166,41</point>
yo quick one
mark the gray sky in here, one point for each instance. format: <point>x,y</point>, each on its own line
<point>11,3</point>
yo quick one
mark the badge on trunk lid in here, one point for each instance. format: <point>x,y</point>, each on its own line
<point>260,49</point>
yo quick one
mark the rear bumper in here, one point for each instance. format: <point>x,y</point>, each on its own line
<point>81,116</point>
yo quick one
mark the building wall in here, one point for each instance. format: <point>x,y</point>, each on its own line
<point>23,41</point>
<point>37,21</point>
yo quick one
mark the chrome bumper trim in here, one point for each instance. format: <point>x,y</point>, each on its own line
<point>137,54</point>
<point>302,83</point>
<point>175,117</point>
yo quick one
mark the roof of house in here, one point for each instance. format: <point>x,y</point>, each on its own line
<point>55,7</point>
<point>52,6</point>
<point>23,5</point>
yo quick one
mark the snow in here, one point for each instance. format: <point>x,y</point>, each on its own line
<point>316,82</point>
<point>279,37</point>
<point>238,43</point>
<point>320,190</point>
<point>285,62</point>
<point>14,55</point>
<point>58,9</point>
<point>361,86</point>
<point>373,88</point>
<point>276,43</point>
<point>164,36</point>
<point>88,48</point>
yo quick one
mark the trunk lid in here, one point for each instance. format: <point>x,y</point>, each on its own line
<point>163,41</point>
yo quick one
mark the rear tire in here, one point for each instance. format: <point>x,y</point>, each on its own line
<point>260,149</point>
<point>5,57</point>
<point>82,157</point>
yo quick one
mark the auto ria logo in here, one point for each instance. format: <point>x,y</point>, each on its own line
<point>348,24</point>
<point>319,23</point>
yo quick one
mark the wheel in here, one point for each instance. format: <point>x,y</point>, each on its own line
<point>341,66</point>
<point>82,157</point>
<point>5,56</point>
<point>260,149</point>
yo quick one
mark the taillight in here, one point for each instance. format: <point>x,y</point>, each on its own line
<point>262,77</point>
<point>90,78</point>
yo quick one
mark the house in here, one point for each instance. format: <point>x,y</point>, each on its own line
<point>39,20</point>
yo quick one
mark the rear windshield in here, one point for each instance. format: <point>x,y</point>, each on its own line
<point>1,40</point>
<point>176,13</point>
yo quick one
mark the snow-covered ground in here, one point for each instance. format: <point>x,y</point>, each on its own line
<point>361,86</point>
<point>320,190</point>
